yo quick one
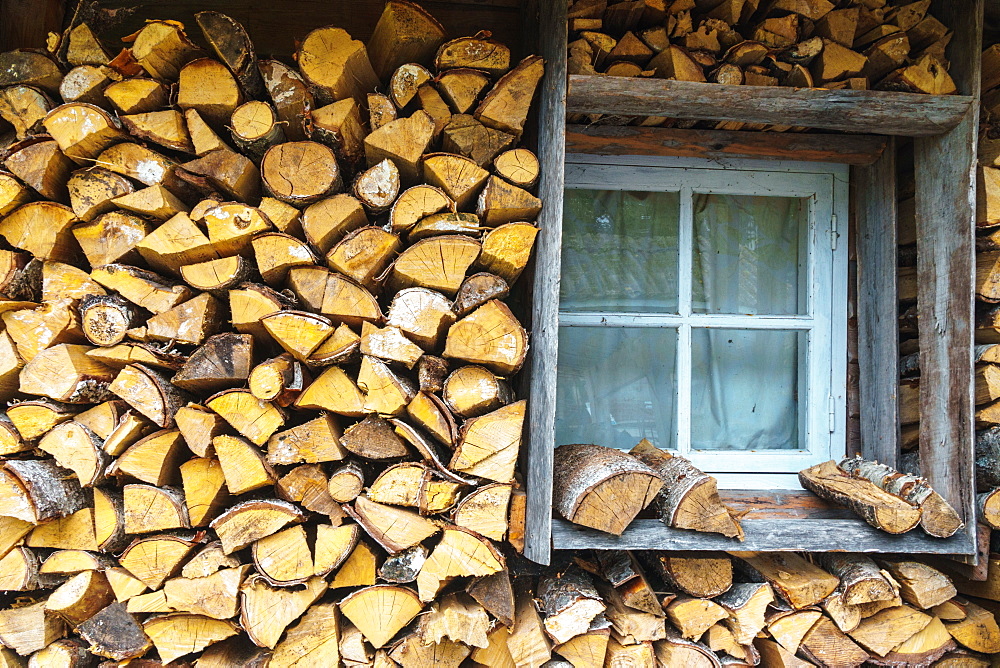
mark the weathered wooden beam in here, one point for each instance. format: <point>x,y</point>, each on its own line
<point>538,456</point>
<point>945,214</point>
<point>878,338</point>
<point>875,112</point>
<point>771,535</point>
<point>724,144</point>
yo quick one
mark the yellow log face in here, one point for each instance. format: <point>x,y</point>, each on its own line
<point>176,635</point>
<point>380,611</point>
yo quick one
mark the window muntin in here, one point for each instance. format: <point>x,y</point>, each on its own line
<point>749,369</point>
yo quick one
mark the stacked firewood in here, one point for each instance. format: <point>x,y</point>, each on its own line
<point>857,44</point>
<point>769,609</point>
<point>750,608</point>
<point>987,332</point>
<point>255,348</point>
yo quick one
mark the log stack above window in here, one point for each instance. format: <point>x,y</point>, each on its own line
<point>800,43</point>
<point>853,45</point>
<point>256,344</point>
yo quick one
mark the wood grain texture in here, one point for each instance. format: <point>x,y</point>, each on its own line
<point>274,26</point>
<point>26,23</point>
<point>878,339</point>
<point>716,144</point>
<point>781,504</point>
<point>874,112</point>
<point>771,535</point>
<point>538,456</point>
<point>945,213</point>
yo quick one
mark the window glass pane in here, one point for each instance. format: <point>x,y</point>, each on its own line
<point>616,386</point>
<point>619,251</point>
<point>745,389</point>
<point>747,255</point>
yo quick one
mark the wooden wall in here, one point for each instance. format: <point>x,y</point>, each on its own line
<point>25,23</point>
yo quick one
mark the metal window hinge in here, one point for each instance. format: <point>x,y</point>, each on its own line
<point>832,414</point>
<point>834,233</point>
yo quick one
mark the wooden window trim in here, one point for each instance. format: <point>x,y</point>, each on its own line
<point>945,160</point>
<point>824,373</point>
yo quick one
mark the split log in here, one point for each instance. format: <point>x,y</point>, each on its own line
<point>569,603</point>
<point>797,581</point>
<point>937,517</point>
<point>880,509</point>
<point>978,631</point>
<point>861,581</point>
<point>825,645</point>
<point>690,498</point>
<point>919,584</point>
<point>588,475</point>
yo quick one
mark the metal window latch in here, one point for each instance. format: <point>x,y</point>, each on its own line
<point>832,408</point>
<point>834,233</point>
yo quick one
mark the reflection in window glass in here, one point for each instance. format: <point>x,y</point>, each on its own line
<point>616,386</point>
<point>747,255</point>
<point>745,389</point>
<point>619,251</point>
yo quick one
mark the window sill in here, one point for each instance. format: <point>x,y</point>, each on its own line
<point>876,112</point>
<point>770,535</point>
<point>774,521</point>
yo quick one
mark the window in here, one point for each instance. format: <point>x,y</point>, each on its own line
<point>705,309</point>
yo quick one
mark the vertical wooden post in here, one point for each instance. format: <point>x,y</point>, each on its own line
<point>878,340</point>
<point>946,262</point>
<point>538,456</point>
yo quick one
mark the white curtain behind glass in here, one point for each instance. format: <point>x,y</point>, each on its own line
<point>619,251</point>
<point>617,386</point>
<point>745,383</point>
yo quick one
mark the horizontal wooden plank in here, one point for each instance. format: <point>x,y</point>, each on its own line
<point>777,535</point>
<point>874,112</point>
<point>719,144</point>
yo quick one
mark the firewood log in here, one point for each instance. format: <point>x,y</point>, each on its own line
<point>796,580</point>
<point>689,498</point>
<point>286,177</point>
<point>28,629</point>
<point>569,603</point>
<point>880,509</point>
<point>585,474</point>
<point>177,634</point>
<point>861,581</point>
<point>675,650</point>
<point>919,584</point>
<point>825,645</point>
<point>937,517</point>
<point>889,628</point>
<point>24,107</point>
<point>381,611</point>
<point>315,637</point>
<point>978,631</point>
<point>413,485</point>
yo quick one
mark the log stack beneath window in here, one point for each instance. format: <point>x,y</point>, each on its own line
<point>771,609</point>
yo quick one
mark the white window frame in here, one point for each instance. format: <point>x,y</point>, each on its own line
<point>824,412</point>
